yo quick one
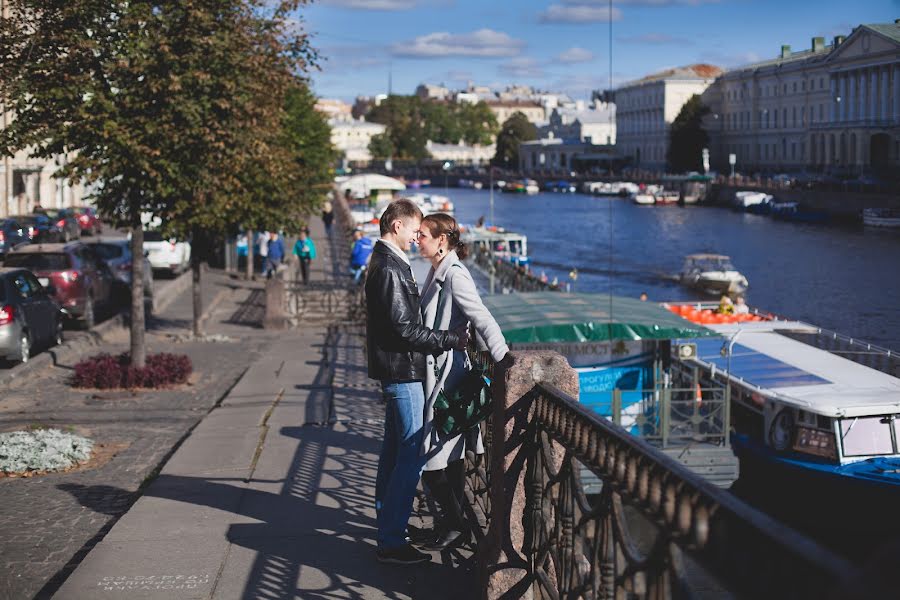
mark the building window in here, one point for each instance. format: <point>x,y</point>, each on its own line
<point>803,85</point>
<point>821,83</point>
<point>794,117</point>
<point>795,87</point>
<point>802,150</point>
<point>793,151</point>
<point>821,112</point>
<point>784,90</point>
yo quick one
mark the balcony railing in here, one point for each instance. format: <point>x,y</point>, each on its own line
<point>653,529</point>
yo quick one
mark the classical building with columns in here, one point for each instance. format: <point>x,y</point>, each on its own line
<point>645,109</point>
<point>831,108</point>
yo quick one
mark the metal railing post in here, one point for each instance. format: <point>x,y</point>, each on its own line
<point>665,416</point>
<point>617,406</point>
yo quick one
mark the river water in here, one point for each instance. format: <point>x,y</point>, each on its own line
<point>842,278</point>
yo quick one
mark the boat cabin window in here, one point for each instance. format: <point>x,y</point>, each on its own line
<point>711,264</point>
<point>869,436</point>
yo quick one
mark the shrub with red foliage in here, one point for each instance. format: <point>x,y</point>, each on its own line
<point>105,371</point>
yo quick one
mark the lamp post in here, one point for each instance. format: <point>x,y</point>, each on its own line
<point>446,167</point>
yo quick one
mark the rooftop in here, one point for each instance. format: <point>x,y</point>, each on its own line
<point>695,71</point>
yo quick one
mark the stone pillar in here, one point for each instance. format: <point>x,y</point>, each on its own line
<point>852,97</point>
<point>896,115</point>
<point>863,96</point>
<point>842,105</point>
<point>502,563</point>
<point>276,317</point>
<point>873,94</point>
<point>834,104</point>
<point>885,94</point>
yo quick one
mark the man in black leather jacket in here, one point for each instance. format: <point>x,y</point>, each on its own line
<point>397,342</point>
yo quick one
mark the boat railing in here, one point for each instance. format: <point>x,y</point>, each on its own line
<point>654,527</point>
<point>509,275</point>
<point>864,353</point>
<point>668,416</point>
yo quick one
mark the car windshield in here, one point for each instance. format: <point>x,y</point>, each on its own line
<point>38,261</point>
<point>153,236</point>
<point>108,251</point>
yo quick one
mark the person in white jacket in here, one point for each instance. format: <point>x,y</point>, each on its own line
<point>450,300</point>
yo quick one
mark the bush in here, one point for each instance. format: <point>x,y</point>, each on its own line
<point>42,450</point>
<point>105,371</point>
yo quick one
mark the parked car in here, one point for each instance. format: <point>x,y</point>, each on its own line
<point>12,235</point>
<point>116,252</point>
<point>88,220</point>
<point>82,282</point>
<point>29,317</point>
<point>167,255</point>
<point>40,228</point>
<point>65,221</point>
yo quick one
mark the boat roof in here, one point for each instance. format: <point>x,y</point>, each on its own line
<point>798,374</point>
<point>706,256</point>
<point>480,234</point>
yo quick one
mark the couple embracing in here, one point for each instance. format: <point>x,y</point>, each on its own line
<point>416,348</point>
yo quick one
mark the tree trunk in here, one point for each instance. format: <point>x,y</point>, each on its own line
<point>197,243</point>
<point>138,352</point>
<point>250,254</point>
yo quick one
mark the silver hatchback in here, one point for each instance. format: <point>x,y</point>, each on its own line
<point>29,317</point>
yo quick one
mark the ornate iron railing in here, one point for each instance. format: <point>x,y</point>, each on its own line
<point>580,547</point>
<point>655,530</point>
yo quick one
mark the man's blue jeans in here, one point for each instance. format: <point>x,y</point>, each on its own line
<point>400,464</point>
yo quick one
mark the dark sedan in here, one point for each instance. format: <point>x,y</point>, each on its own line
<point>40,229</point>
<point>29,318</point>
<point>66,221</point>
<point>116,252</point>
<point>12,235</point>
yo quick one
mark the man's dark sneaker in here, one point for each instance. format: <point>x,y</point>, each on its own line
<point>404,555</point>
<point>446,539</point>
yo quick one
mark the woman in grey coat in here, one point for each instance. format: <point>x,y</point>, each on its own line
<point>450,300</point>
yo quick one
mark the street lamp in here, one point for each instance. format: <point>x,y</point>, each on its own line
<point>446,167</point>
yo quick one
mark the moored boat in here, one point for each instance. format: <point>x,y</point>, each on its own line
<point>881,217</point>
<point>644,198</point>
<point>816,421</point>
<point>667,197</point>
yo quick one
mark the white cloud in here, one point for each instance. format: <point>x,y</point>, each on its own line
<point>484,43</point>
<point>373,4</point>
<point>572,11</point>
<point>524,67</point>
<point>575,55</point>
<point>659,39</point>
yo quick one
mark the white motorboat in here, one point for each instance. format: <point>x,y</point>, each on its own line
<point>713,274</point>
<point>667,197</point>
<point>745,199</point>
<point>645,198</point>
<point>881,217</point>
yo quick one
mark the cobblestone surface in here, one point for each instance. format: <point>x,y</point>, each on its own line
<point>48,527</point>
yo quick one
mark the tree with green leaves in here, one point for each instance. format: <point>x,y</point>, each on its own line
<point>404,117</point>
<point>516,129</point>
<point>382,147</point>
<point>168,109</point>
<point>478,123</point>
<point>687,138</point>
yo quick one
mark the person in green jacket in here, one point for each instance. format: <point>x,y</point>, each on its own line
<point>305,250</point>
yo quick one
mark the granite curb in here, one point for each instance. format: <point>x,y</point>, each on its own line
<point>164,296</point>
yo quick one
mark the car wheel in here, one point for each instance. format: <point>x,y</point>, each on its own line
<point>88,317</point>
<point>58,337</point>
<point>24,348</point>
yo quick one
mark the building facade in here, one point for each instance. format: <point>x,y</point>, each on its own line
<point>646,108</point>
<point>831,108</point>
<point>504,109</point>
<point>351,138</point>
<point>460,153</point>
<point>595,125</point>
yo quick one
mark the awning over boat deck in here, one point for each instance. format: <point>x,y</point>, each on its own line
<point>554,317</point>
<point>801,375</point>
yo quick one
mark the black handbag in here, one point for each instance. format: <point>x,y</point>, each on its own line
<point>466,406</point>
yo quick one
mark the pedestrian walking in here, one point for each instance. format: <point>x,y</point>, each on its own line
<point>397,343</point>
<point>327,217</point>
<point>450,300</point>
<point>274,254</point>
<point>262,250</point>
<point>305,251</point>
<point>360,254</point>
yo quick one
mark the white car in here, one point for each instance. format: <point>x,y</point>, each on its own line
<point>167,255</point>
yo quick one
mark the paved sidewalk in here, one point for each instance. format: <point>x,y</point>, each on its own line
<point>270,496</point>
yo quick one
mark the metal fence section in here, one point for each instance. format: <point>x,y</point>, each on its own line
<point>653,529</point>
<point>509,276</point>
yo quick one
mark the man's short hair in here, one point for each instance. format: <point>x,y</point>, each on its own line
<point>398,209</point>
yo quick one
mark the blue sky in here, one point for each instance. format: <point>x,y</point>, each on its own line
<point>560,45</point>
